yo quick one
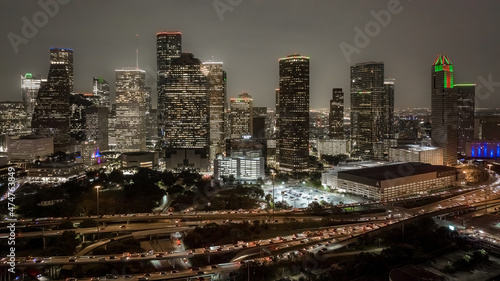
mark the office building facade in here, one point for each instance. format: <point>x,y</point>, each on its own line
<point>466,108</point>
<point>336,118</point>
<point>130,123</point>
<point>444,110</point>
<point>217,89</point>
<point>241,116</point>
<point>51,116</point>
<point>292,114</point>
<point>367,112</point>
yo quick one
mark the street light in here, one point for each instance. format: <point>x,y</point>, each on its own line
<point>97,187</point>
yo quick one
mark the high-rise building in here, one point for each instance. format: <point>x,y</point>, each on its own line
<point>78,105</point>
<point>487,128</point>
<point>65,57</point>
<point>130,124</point>
<point>51,116</point>
<point>184,120</point>
<point>466,108</point>
<point>241,116</point>
<point>367,114</point>
<point>13,121</point>
<point>96,126</point>
<point>217,88</point>
<point>336,120</point>
<point>168,48</point>
<point>259,126</point>
<point>30,84</point>
<point>444,107</point>
<point>292,114</point>
<point>388,109</point>
<point>101,90</point>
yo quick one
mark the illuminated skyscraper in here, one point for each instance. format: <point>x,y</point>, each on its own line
<point>466,107</point>
<point>101,90</point>
<point>130,124</point>
<point>336,120</point>
<point>65,57</point>
<point>444,109</point>
<point>367,114</point>
<point>184,118</point>
<point>388,109</point>
<point>241,116</point>
<point>51,116</point>
<point>217,87</point>
<point>30,84</point>
<point>168,48</point>
<point>292,114</point>
<point>79,103</point>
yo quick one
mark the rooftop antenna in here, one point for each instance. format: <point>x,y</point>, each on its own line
<point>137,51</point>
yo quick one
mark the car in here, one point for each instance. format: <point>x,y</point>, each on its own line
<point>94,279</point>
<point>200,272</point>
<point>72,259</point>
<point>110,276</point>
<point>214,266</point>
<point>123,226</point>
<point>71,279</point>
<point>163,273</point>
<point>174,271</point>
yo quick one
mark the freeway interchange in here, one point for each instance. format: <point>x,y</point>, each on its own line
<point>315,241</point>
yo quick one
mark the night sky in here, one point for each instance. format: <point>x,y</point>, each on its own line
<point>251,35</point>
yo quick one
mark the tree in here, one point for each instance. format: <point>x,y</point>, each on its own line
<point>315,208</point>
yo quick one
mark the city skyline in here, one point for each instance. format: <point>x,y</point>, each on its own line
<point>250,48</point>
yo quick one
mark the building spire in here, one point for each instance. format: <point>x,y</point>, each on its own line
<point>137,51</point>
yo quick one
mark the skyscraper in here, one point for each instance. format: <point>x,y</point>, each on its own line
<point>30,84</point>
<point>466,107</point>
<point>65,57</point>
<point>96,126</point>
<point>444,109</point>
<point>101,90</point>
<point>367,116</point>
<point>388,109</point>
<point>336,120</point>
<point>217,88</point>
<point>241,116</point>
<point>292,114</point>
<point>130,124</point>
<point>184,117</point>
<point>78,105</point>
<point>168,48</point>
<point>52,111</point>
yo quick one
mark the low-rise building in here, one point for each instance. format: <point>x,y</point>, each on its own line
<point>244,169</point>
<point>333,147</point>
<point>396,180</point>
<point>141,159</point>
<point>53,172</point>
<point>416,153</point>
<point>29,148</point>
<point>489,149</point>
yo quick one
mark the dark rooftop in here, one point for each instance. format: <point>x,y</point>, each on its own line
<point>399,170</point>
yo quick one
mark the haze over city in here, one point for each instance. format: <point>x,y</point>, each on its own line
<point>250,36</point>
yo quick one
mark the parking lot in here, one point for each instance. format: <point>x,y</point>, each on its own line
<point>300,196</point>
